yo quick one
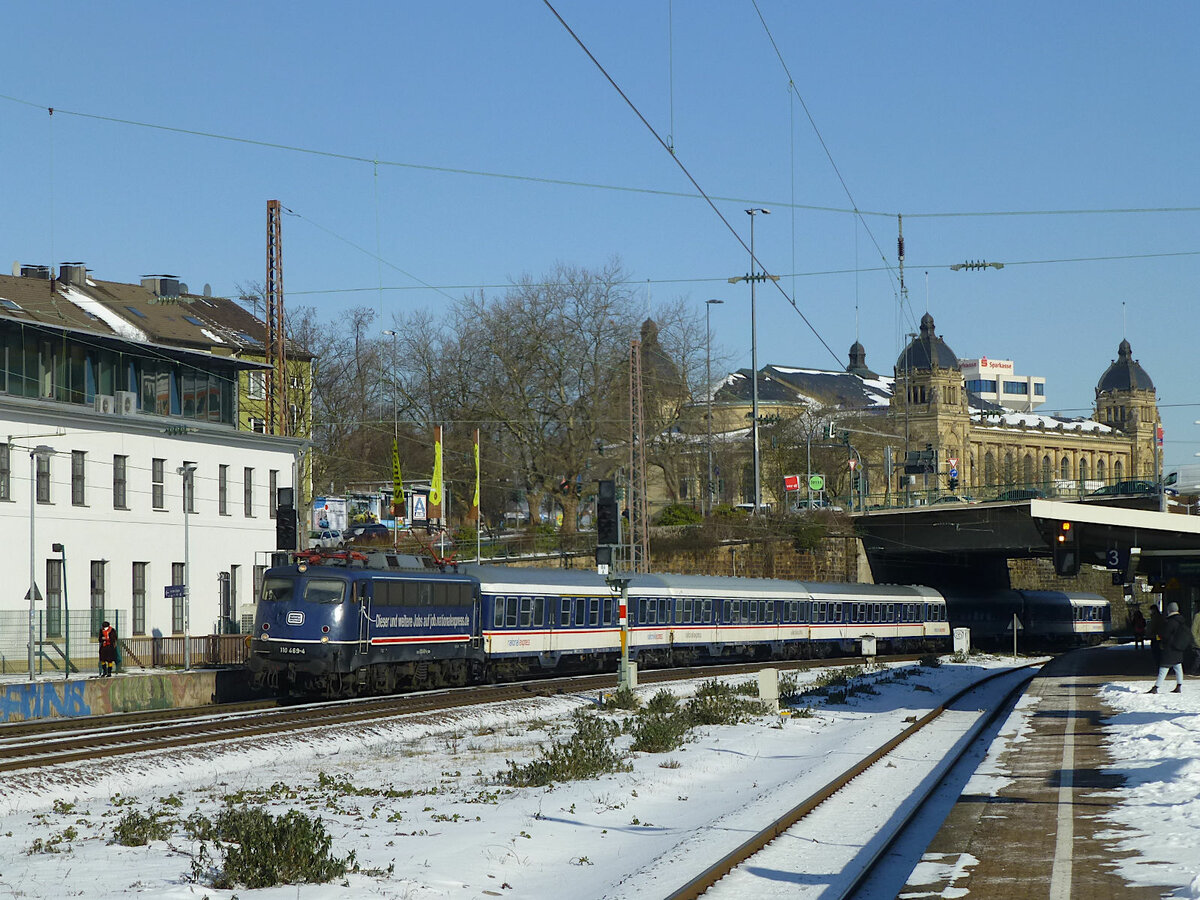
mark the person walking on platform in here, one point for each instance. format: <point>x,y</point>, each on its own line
<point>1176,638</point>
<point>108,650</point>
<point>1139,628</point>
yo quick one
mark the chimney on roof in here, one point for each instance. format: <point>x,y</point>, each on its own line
<point>163,287</point>
<point>73,273</point>
<point>42,272</point>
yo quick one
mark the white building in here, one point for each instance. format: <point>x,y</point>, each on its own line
<point>996,380</point>
<point>94,429</point>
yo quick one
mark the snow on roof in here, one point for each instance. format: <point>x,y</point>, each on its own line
<point>1034,420</point>
<point>104,314</point>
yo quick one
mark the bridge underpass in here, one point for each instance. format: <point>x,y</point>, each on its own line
<point>968,545</point>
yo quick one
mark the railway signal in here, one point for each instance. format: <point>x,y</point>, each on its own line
<point>1066,550</point>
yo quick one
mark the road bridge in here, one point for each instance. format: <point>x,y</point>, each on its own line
<point>968,545</point>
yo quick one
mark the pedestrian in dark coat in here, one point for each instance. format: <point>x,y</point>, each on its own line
<point>1176,639</point>
<point>108,650</point>
<point>1156,627</point>
<point>1139,628</point>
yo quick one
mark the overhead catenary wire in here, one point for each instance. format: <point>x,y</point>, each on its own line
<point>569,182</point>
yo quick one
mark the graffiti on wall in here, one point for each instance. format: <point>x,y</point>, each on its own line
<point>96,696</point>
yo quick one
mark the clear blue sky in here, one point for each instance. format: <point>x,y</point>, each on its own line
<point>928,108</point>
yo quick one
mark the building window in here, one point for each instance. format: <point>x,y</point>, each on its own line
<point>258,426</point>
<point>1118,470</point>
<point>1047,472</point>
<point>1064,469</point>
<point>272,489</point>
<point>1027,470</point>
<point>120,466</point>
<point>54,585</point>
<point>1083,470</point>
<point>157,485</point>
<point>78,458</point>
<point>98,594</point>
<point>1016,387</point>
<point>223,490</point>
<point>43,479</point>
<point>177,602</point>
<point>1039,389</point>
<point>248,492</point>
<point>1100,470</point>
<point>139,597</point>
<point>5,472</point>
<point>257,388</point>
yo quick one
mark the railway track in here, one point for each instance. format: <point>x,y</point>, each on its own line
<point>912,757</point>
<point>34,745</point>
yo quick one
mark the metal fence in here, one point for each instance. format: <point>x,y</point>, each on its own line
<point>61,641</point>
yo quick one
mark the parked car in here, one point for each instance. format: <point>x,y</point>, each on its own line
<point>1120,488</point>
<point>358,534</point>
<point>953,498</point>
<point>1021,494</point>
<point>326,538</point>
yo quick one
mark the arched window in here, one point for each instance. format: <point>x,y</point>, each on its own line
<point>1064,469</point>
<point>1118,470</point>
<point>1083,470</point>
<point>1027,470</point>
<point>989,471</point>
<point>972,472</point>
<point>1009,475</point>
<point>1047,473</point>
<point>1100,472</point>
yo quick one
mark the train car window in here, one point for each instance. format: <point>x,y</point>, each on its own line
<point>706,612</point>
<point>581,610</point>
<point>510,612</point>
<point>725,605</point>
<point>324,590</point>
<point>607,607</point>
<point>680,605</point>
<point>539,612</point>
<point>770,611</point>
<point>594,611</point>
<point>526,612</point>
<point>664,611</point>
<point>753,612</point>
<point>566,612</point>
<point>497,612</point>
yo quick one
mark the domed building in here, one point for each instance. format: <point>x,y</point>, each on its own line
<point>929,412</point>
<point>998,450</point>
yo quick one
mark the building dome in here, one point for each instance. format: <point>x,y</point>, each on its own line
<point>927,351</point>
<point>858,362</point>
<point>1125,373</point>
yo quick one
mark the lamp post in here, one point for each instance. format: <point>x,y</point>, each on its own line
<point>754,363</point>
<point>708,305</point>
<point>39,454</point>
<point>395,439</point>
<point>187,473</point>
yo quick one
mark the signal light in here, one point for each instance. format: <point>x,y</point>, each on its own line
<point>1066,551</point>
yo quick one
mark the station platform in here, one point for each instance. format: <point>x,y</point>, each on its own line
<point>1046,833</point>
<point>133,690</point>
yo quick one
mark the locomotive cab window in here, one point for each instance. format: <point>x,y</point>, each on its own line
<point>325,590</point>
<point>278,589</point>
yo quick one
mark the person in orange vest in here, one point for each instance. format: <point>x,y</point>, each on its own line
<point>108,650</point>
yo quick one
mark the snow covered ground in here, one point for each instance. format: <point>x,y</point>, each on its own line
<point>424,811</point>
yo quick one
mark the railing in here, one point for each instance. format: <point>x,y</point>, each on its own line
<point>53,654</point>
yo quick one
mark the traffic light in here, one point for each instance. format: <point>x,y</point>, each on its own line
<point>285,528</point>
<point>1066,550</point>
<point>607,528</point>
<point>953,483</point>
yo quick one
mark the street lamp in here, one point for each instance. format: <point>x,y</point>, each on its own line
<point>187,472</point>
<point>395,440</point>
<point>708,305</point>
<point>39,454</point>
<point>754,363</point>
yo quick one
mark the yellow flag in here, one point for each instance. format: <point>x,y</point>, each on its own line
<point>397,479</point>
<point>475,502</point>
<point>435,486</point>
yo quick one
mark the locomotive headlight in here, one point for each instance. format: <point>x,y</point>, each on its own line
<point>324,639</point>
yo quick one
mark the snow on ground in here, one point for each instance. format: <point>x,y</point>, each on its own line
<point>420,804</point>
<point>1155,739</point>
